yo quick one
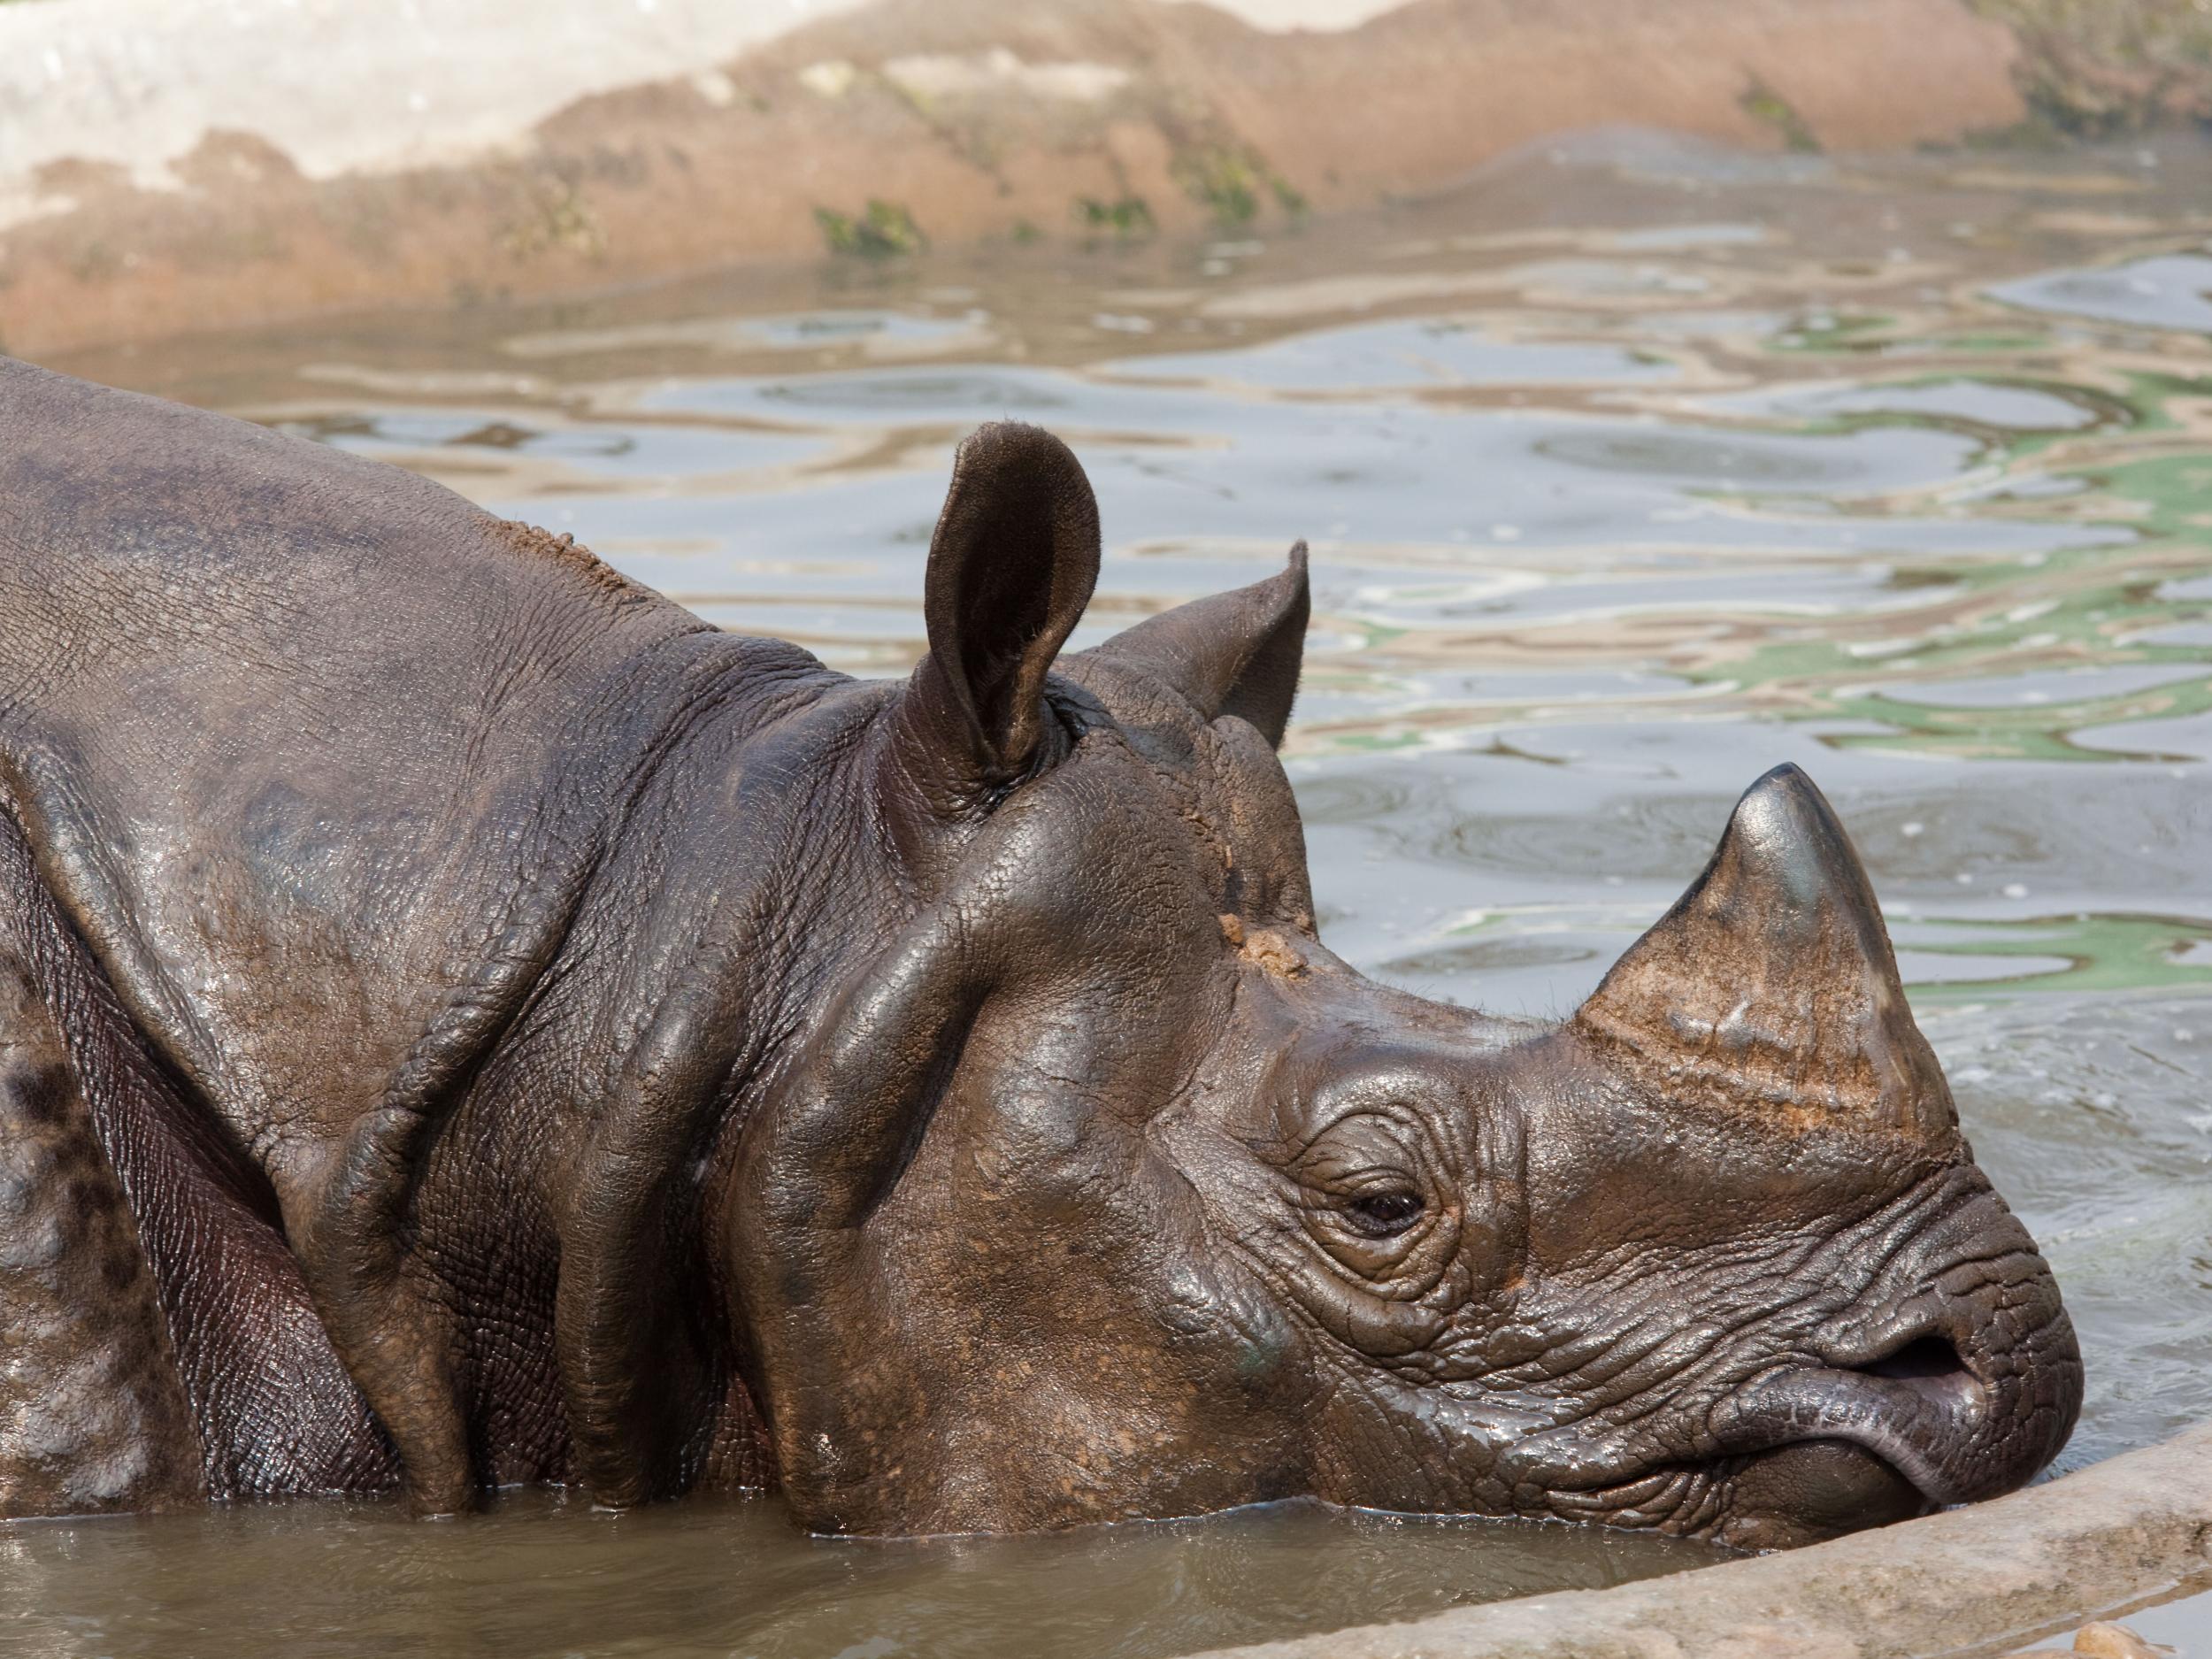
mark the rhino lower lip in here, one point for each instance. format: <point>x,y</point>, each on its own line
<point>1915,1408</point>
<point>1909,1421</point>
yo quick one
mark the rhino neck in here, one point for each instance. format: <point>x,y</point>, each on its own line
<point>752,873</point>
<point>563,1115</point>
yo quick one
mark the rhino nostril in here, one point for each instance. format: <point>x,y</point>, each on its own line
<point>1922,1357</point>
<point>1930,1366</point>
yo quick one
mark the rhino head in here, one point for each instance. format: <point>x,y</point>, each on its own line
<point>1105,1190</point>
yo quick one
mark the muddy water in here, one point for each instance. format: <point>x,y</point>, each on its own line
<point>1630,470</point>
<point>541,1577</point>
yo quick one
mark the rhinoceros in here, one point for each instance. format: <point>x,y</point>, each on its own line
<point>468,1021</point>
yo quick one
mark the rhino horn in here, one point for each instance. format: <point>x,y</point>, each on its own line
<point>1771,985</point>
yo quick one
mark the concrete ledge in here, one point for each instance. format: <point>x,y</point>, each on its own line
<point>1966,1581</point>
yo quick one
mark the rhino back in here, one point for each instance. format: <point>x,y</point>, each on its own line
<point>313,751</point>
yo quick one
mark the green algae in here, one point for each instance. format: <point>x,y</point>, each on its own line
<point>1234,183</point>
<point>1764,105</point>
<point>2102,69</point>
<point>882,230</point>
<point>1125,218</point>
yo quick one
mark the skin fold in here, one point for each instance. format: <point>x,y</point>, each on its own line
<point>491,1026</point>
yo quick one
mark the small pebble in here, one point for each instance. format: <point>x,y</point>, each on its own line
<point>2114,1641</point>
<point>2103,1640</point>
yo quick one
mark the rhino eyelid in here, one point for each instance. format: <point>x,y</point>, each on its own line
<point>1346,1180</point>
<point>1375,1179</point>
<point>1396,1119</point>
<point>1401,1126</point>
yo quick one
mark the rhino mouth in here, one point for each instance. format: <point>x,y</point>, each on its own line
<point>1919,1408</point>
<point>1853,1439</point>
<point>1811,1490</point>
<point>1799,1493</point>
<point>1815,1451</point>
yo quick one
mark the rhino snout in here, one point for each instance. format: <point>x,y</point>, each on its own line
<point>1965,1390</point>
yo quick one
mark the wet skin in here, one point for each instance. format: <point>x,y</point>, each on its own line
<point>531,1036</point>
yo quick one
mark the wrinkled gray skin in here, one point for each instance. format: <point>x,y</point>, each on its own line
<point>467,1021</point>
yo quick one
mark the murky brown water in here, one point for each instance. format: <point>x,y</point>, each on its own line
<point>1630,470</point>
<point>543,1576</point>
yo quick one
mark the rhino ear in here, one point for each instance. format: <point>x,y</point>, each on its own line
<point>1234,653</point>
<point>1770,984</point>
<point>1011,566</point>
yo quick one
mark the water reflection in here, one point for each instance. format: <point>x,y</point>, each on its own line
<point>2168,291</point>
<point>1421,353</point>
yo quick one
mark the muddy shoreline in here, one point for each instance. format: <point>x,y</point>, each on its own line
<point>863,135</point>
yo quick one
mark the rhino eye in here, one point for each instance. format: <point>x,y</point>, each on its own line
<point>1384,1215</point>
